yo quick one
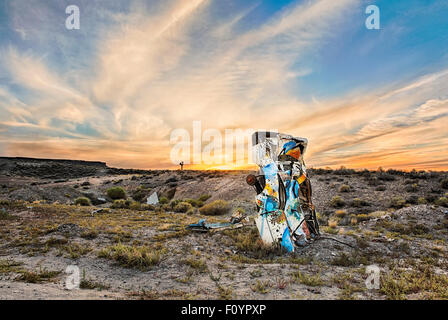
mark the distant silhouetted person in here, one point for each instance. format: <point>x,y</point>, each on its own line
<point>181,165</point>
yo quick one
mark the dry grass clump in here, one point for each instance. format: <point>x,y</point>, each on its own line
<point>132,257</point>
<point>345,188</point>
<point>163,200</point>
<point>397,202</point>
<point>345,260</point>
<point>262,287</point>
<point>90,284</point>
<point>141,193</point>
<point>215,208</point>
<point>444,183</point>
<point>37,277</point>
<point>397,284</point>
<point>337,202</point>
<point>121,204</point>
<point>250,243</point>
<point>308,280</point>
<point>196,263</point>
<point>357,203</point>
<point>7,266</point>
<point>340,213</point>
<point>442,201</point>
<point>183,207</point>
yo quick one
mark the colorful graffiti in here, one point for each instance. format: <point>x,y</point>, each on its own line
<point>286,214</point>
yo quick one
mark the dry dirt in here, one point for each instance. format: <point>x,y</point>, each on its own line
<point>395,220</point>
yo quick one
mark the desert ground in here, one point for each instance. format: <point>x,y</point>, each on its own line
<point>55,214</point>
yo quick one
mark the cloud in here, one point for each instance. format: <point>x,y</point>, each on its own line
<point>115,90</point>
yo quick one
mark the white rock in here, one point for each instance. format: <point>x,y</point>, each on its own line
<point>152,199</point>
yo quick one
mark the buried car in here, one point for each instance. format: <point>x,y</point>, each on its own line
<point>285,212</point>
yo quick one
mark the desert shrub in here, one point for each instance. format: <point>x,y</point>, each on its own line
<point>340,213</point>
<point>362,217</point>
<point>398,283</point>
<point>395,172</point>
<point>374,182</point>
<point>357,202</point>
<point>412,199</point>
<point>431,198</point>
<point>411,187</point>
<point>140,194</point>
<point>381,188</point>
<point>183,207</point>
<point>4,202</point>
<point>365,173</point>
<point>83,201</point>
<point>121,204</point>
<point>240,211</point>
<point>174,203</point>
<point>442,201</point>
<point>250,243</point>
<point>321,218</point>
<point>337,202</point>
<point>89,234</point>
<point>422,200</point>
<point>215,208</point>
<point>163,200</point>
<point>344,188</point>
<point>385,176</point>
<point>397,202</point>
<point>191,211</point>
<point>116,193</point>
<point>37,277</point>
<point>308,280</point>
<point>204,197</point>
<point>343,171</point>
<point>444,183</point>
<point>418,229</point>
<point>333,223</point>
<point>377,214</point>
<point>4,215</point>
<point>195,203</point>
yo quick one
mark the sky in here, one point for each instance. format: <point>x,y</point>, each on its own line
<point>117,88</point>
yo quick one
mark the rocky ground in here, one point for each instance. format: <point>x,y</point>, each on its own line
<point>395,220</point>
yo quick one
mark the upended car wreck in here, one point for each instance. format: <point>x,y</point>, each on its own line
<point>285,213</point>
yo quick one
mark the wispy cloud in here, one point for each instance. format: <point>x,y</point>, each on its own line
<point>115,90</point>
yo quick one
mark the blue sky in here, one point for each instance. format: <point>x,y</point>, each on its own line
<point>137,70</point>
